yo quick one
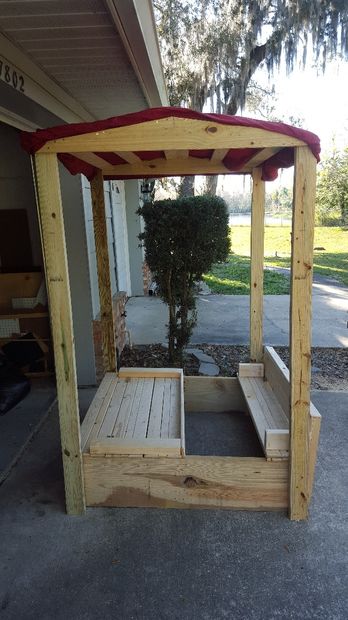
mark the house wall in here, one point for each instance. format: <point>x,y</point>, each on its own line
<point>16,184</point>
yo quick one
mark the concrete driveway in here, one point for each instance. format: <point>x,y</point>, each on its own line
<point>148,564</point>
<point>224,319</point>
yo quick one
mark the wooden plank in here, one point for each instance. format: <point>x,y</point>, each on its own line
<point>264,419</point>
<point>250,370</point>
<point>256,266</point>
<point>213,394</point>
<point>261,157</point>
<point>164,167</point>
<point>135,409</point>
<point>155,421</point>
<point>145,446</point>
<point>142,420</point>
<point>219,154</point>
<point>300,329</point>
<point>92,159</point>
<point>128,156</point>
<point>275,414</point>
<point>103,268</point>
<point>174,409</point>
<point>276,439</point>
<point>124,414</point>
<point>277,374</point>
<point>100,415</point>
<point>58,287</point>
<point>160,373</point>
<point>170,134</point>
<point>189,482</point>
<point>112,410</point>
<point>94,408</point>
<point>166,409</point>
<point>176,154</point>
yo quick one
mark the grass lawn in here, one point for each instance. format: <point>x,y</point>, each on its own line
<point>232,277</point>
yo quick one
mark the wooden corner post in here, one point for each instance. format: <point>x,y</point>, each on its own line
<point>300,329</point>
<point>256,268</point>
<point>103,268</point>
<point>57,277</point>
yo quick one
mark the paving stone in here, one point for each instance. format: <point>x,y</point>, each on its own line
<point>202,357</point>
<point>210,370</point>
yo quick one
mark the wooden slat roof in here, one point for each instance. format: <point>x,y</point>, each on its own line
<point>162,142</point>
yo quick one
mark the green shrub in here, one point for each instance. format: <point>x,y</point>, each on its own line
<point>182,239</point>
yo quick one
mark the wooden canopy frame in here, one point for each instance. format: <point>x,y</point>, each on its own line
<point>176,138</point>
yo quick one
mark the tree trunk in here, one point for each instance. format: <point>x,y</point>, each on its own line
<point>211,184</point>
<point>186,187</point>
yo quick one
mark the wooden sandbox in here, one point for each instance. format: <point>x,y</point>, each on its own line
<point>114,467</point>
<point>133,440</point>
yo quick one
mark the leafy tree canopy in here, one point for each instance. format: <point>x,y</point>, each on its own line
<point>332,190</point>
<point>212,48</point>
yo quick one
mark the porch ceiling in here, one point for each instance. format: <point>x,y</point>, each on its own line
<point>172,142</point>
<point>78,45</point>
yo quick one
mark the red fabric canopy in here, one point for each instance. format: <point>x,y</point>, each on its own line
<point>234,160</point>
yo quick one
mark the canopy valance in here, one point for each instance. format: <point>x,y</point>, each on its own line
<point>172,141</point>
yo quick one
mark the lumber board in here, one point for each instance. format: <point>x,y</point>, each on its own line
<point>155,421</point>
<point>51,219</point>
<point>170,134</point>
<point>189,482</point>
<point>219,154</point>
<point>257,236</point>
<point>166,409</point>
<point>266,415</point>
<point>150,447</point>
<point>100,410</point>
<point>142,420</point>
<point>112,409</point>
<point>176,154</point>
<point>300,328</point>
<point>213,394</point>
<point>94,408</point>
<point>128,156</point>
<point>250,370</point>
<point>260,157</point>
<point>276,439</point>
<point>103,270</point>
<point>125,410</point>
<point>277,374</point>
<point>161,373</point>
<point>132,420</point>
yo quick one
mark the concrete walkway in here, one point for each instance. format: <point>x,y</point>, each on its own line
<point>145,564</point>
<point>224,319</point>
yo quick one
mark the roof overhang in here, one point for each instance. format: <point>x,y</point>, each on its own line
<point>172,142</point>
<point>135,23</point>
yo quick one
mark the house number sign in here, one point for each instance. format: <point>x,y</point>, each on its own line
<point>11,76</point>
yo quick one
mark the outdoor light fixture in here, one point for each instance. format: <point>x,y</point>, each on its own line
<point>147,189</point>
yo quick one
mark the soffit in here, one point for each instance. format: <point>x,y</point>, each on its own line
<point>78,46</point>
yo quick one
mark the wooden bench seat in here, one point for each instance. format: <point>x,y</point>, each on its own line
<point>137,412</point>
<point>266,388</point>
<point>270,420</point>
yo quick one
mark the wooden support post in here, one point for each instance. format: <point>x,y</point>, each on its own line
<point>57,277</point>
<point>300,329</point>
<point>256,268</point>
<point>103,268</point>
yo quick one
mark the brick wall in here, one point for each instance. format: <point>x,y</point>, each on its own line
<point>119,305</point>
<point>147,278</point>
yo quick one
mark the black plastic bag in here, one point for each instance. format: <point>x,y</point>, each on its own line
<point>14,386</point>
